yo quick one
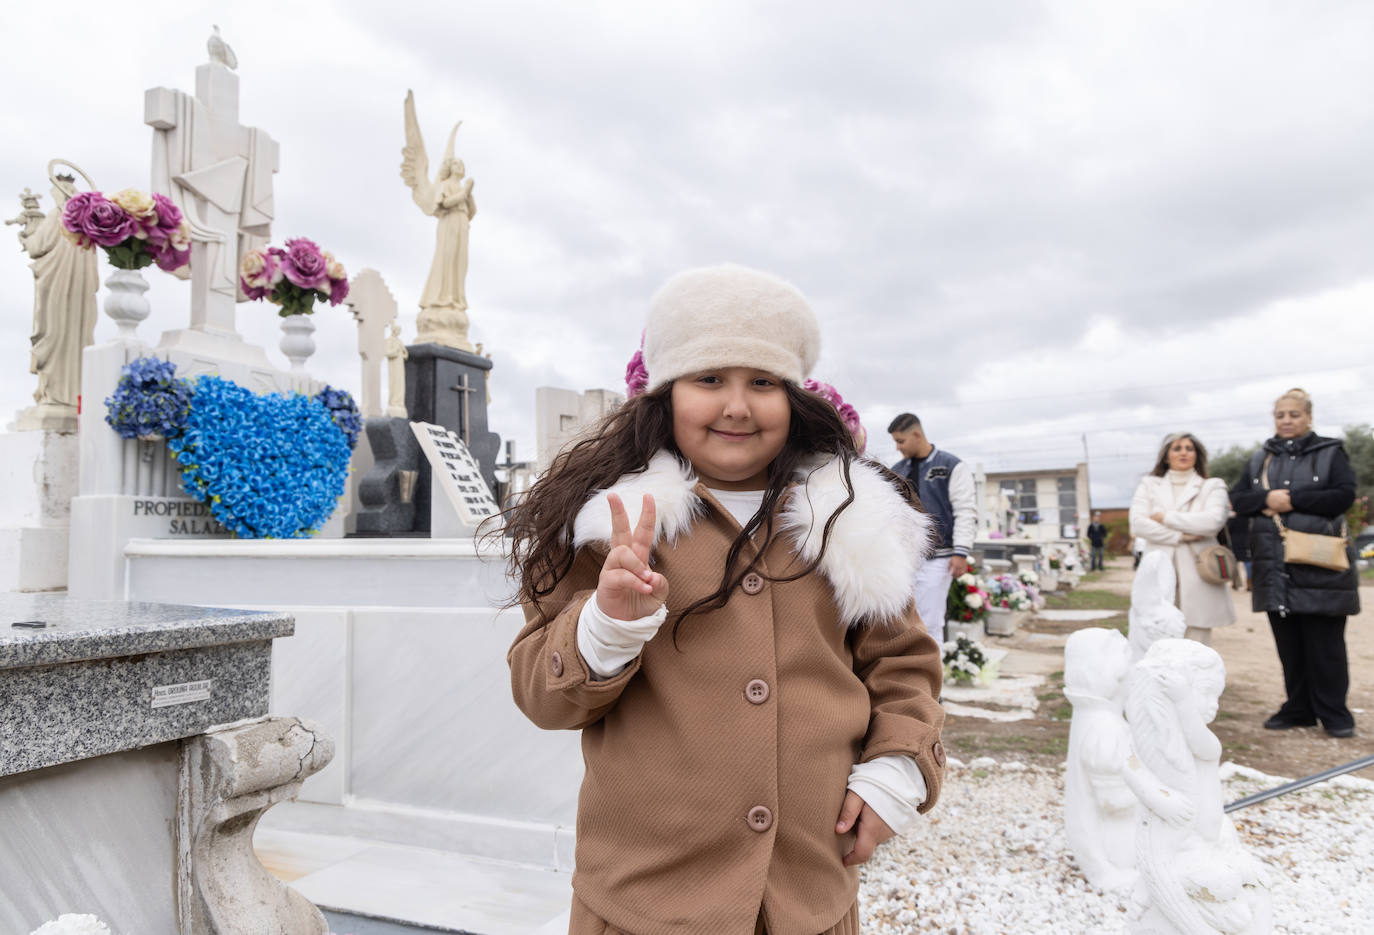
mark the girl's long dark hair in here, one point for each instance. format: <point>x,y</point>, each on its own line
<point>541,525</point>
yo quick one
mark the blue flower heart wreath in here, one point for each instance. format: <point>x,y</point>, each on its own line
<point>270,467</point>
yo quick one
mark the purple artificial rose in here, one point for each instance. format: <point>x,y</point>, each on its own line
<point>165,222</point>
<point>303,264</point>
<point>170,258</point>
<point>107,224</point>
<point>338,291</point>
<point>168,214</point>
<point>77,210</point>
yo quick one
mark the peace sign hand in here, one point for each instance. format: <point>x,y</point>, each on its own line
<point>627,588</point>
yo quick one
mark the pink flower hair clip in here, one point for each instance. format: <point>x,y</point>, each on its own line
<point>848,414</point>
<point>636,374</point>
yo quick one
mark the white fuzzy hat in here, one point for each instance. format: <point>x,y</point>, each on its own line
<point>729,316</point>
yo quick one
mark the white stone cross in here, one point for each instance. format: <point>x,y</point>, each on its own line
<point>374,308</point>
<point>219,173</point>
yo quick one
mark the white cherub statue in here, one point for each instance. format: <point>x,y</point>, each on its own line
<point>1195,879</point>
<point>1099,808</point>
<point>1153,615</point>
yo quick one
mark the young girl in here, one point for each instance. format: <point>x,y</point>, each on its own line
<point>718,595</point>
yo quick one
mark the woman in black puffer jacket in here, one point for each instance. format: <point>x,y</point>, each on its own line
<point>1310,486</point>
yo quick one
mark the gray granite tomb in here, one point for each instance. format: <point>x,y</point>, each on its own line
<point>135,760</point>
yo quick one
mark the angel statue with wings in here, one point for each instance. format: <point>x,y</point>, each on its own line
<point>443,305</point>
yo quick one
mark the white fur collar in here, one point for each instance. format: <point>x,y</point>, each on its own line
<point>875,548</point>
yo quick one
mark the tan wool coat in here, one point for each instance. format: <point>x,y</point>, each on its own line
<point>716,768</point>
<point>1200,508</point>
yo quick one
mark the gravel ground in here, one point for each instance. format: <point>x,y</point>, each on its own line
<point>991,858</point>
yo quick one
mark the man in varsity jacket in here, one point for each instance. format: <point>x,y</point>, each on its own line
<point>945,486</point>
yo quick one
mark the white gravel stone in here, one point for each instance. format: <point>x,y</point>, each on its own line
<point>991,858</point>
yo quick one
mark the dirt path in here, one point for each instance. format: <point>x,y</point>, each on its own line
<point>1254,690</point>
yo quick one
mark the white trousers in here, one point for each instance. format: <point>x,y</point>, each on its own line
<point>932,591</point>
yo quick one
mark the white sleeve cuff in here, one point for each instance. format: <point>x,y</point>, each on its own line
<point>893,787</point>
<point>608,645</point>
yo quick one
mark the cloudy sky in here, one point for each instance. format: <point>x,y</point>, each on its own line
<point>1036,225</point>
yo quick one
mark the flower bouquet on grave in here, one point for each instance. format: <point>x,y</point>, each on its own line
<point>967,602</point>
<point>135,229</point>
<point>1014,593</point>
<point>149,401</point>
<point>966,663</point>
<point>294,277</point>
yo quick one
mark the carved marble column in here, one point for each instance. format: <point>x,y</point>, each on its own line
<point>229,777</point>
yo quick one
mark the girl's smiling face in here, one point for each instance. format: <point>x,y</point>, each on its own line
<point>731,423</point>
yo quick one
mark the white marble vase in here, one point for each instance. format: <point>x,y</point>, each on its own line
<point>126,303</point>
<point>298,340</point>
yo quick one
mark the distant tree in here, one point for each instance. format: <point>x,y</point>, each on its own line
<point>1230,463</point>
<point>1359,445</point>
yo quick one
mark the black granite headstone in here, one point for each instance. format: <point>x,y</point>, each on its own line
<point>448,387</point>
<point>386,493</point>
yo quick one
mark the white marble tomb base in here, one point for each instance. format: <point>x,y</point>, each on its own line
<point>37,482</point>
<point>420,886</point>
<point>399,653</point>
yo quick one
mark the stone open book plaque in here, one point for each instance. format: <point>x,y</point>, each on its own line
<point>457,472</point>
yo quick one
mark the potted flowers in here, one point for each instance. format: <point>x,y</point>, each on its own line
<point>966,662</point>
<point>294,278</point>
<point>1049,572</point>
<point>966,607</point>
<point>1012,600</point>
<point>135,230</point>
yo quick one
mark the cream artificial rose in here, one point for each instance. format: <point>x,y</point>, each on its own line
<point>181,237</point>
<point>138,204</point>
<point>967,579</point>
<point>254,268</point>
<point>974,600</point>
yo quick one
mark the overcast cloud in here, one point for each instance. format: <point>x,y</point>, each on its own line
<point>1031,224</point>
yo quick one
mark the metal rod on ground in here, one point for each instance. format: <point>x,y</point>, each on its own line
<point>1297,784</point>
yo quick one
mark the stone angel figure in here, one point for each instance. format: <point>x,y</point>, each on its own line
<point>1153,615</point>
<point>1099,808</point>
<point>448,197</point>
<point>1195,879</point>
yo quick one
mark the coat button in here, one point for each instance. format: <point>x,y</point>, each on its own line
<point>760,818</point>
<point>756,691</point>
<point>939,751</point>
<point>556,663</point>
<point>752,583</point>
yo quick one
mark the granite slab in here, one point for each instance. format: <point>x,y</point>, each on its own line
<point>75,629</point>
<point>108,676</point>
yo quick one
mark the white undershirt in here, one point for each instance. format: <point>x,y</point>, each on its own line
<point>742,504</point>
<point>892,785</point>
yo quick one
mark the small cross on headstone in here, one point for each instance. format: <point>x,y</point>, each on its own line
<point>466,390</point>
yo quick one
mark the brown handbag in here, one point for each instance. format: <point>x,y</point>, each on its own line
<point>1310,548</point>
<point>1217,564</point>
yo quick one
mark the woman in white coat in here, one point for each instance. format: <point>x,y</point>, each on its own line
<point>1179,509</point>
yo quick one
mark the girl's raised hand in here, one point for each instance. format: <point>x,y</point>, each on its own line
<point>628,588</point>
